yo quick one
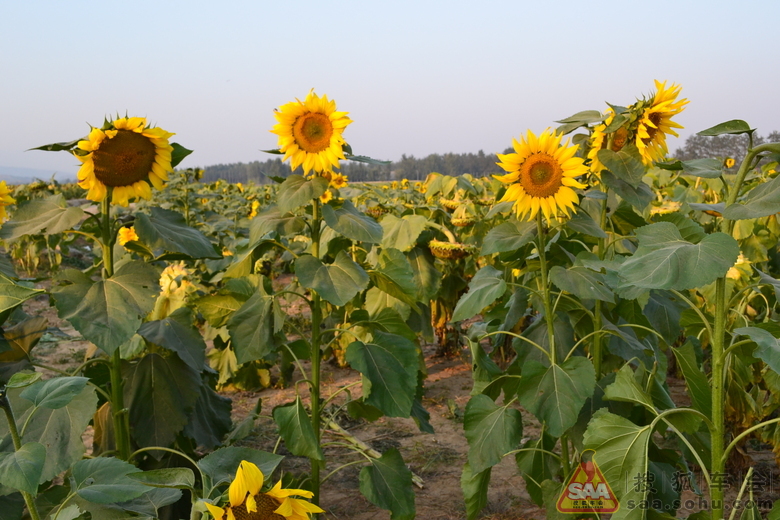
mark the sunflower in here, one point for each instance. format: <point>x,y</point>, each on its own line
<point>248,503</point>
<point>600,139</point>
<point>126,234</point>
<point>125,155</point>
<point>253,210</point>
<point>338,180</point>
<point>310,133</point>
<point>656,122</point>
<point>5,200</point>
<point>326,197</point>
<point>541,175</point>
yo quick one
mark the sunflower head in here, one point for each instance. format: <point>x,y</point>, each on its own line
<point>600,140</point>
<point>5,200</point>
<point>541,175</point>
<point>310,133</point>
<point>125,156</point>
<point>248,503</point>
<point>656,122</point>
<point>126,234</point>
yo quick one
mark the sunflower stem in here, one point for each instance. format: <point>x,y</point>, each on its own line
<point>597,323</point>
<point>316,320</point>
<point>5,404</point>
<point>548,312</point>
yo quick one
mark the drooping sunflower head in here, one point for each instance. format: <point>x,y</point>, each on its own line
<point>5,200</point>
<point>248,503</point>
<point>541,175</point>
<point>600,139</point>
<point>310,133</point>
<point>656,122</point>
<point>125,156</point>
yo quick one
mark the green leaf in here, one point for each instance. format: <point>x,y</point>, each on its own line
<point>706,168</point>
<point>695,379</point>
<point>625,164</point>
<point>761,201</point>
<point>349,222</point>
<point>13,294</point>
<point>475,488</point>
<point>508,236</point>
<point>358,409</point>
<point>768,349</point>
<point>388,320</point>
<point>583,223</point>
<point>22,469</point>
<point>218,308</point>
<point>220,466</point>
<point>492,431</point>
<point>664,260</point>
<point>178,478</point>
<point>148,504</point>
<point>109,312</point>
<point>536,466</point>
<point>556,394</point>
<point>178,154</point>
<point>389,366</point>
<point>690,230</point>
<point>59,147</point>
<point>46,216</point>
<point>296,430</point>
<point>59,431</point>
<point>103,480</point>
<point>273,220</point>
<point>621,454</point>
<point>485,288</point>
<point>23,379</point>
<point>402,233</point>
<point>735,126</point>
<point>177,333</point>
<point>663,311</point>
<point>387,483</point>
<point>394,276</point>
<point>54,393</point>
<point>582,282</point>
<point>483,370</point>
<point>297,191</point>
<point>626,389</point>
<point>336,283</point>
<point>427,278</point>
<point>159,391</point>
<point>166,230</point>
<point>209,421</point>
<point>638,196</point>
<point>252,327</point>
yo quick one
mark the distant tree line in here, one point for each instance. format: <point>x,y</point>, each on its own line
<point>477,164</point>
<point>721,146</point>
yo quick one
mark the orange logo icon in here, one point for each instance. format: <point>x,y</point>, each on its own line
<point>587,491</point>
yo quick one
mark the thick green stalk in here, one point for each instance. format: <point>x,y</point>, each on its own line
<point>6,405</point>
<point>118,412</point>
<point>316,320</point>
<point>597,323</point>
<point>548,313</point>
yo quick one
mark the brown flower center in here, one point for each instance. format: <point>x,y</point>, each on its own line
<point>540,175</point>
<point>125,159</point>
<point>619,139</point>
<point>312,132</point>
<point>656,119</point>
<point>266,505</point>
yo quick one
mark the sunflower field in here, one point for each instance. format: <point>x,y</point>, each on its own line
<point>614,311</point>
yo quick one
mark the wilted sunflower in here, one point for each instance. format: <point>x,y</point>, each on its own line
<point>656,122</point>
<point>125,155</point>
<point>541,175</point>
<point>248,503</point>
<point>310,133</point>
<point>5,200</point>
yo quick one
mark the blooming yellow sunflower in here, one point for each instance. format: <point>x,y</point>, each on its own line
<point>125,155</point>
<point>126,234</point>
<point>326,197</point>
<point>600,139</point>
<point>5,200</point>
<point>656,122</point>
<point>338,180</point>
<point>541,175</point>
<point>253,210</point>
<point>310,133</point>
<point>248,503</point>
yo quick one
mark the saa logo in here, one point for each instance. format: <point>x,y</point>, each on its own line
<point>587,491</point>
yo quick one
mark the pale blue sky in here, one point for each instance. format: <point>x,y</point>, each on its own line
<point>417,77</point>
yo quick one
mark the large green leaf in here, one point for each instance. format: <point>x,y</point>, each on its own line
<point>58,430</point>
<point>486,287</point>
<point>583,223</point>
<point>625,164</point>
<point>395,276</point>
<point>582,282</point>
<point>735,126</point>
<point>47,216</point>
<point>22,469</point>
<point>160,392</point>
<point>54,393</point>
<point>475,488</point>
<point>508,236</point>
<point>621,454</point>
<point>13,294</point>
<point>167,231</point>
<point>664,260</point>
<point>492,431</point>
<point>536,466</point>
<point>387,483</point>
<point>638,196</point>
<point>348,221</point>
<point>297,191</point>
<point>209,421</point>
<point>663,311</point>
<point>296,429</point>
<point>273,220</point>
<point>389,366</point>
<point>252,327</point>
<point>761,201</point>
<point>177,478</point>
<point>427,278</point>
<point>220,466</point>
<point>556,394</point>
<point>177,333</point>
<point>103,480</point>
<point>626,389</point>
<point>336,283</point>
<point>768,349</point>
<point>148,504</point>
<point>402,233</point>
<point>695,379</point>
<point>109,312</point>
<point>218,308</point>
